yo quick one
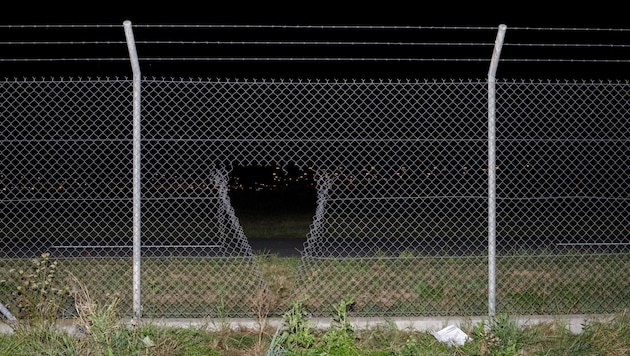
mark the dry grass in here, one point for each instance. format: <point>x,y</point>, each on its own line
<point>263,286</point>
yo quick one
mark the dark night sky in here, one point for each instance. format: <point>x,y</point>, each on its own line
<point>443,13</point>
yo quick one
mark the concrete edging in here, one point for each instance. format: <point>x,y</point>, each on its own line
<point>573,323</point>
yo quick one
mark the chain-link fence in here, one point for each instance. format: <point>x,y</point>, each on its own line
<point>429,197</point>
<point>401,218</point>
<point>562,197</point>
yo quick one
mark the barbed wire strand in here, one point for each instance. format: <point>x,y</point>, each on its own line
<point>309,27</point>
<point>247,43</point>
<point>312,59</point>
<point>311,43</point>
<point>317,43</point>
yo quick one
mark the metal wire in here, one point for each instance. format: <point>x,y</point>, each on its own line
<point>400,172</point>
<point>350,43</point>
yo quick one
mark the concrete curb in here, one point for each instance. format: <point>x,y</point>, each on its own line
<point>573,323</point>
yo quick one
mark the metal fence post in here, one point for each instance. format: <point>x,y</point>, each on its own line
<point>137,199</point>
<point>492,170</point>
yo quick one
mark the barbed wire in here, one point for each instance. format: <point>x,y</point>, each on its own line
<point>571,29</point>
<point>324,27</point>
<point>38,43</point>
<point>235,26</point>
<point>60,26</point>
<point>306,43</point>
<point>311,59</point>
<point>85,59</point>
<point>247,59</point>
<point>248,43</point>
<point>316,43</point>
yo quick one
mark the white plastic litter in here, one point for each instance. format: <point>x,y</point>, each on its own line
<point>451,335</point>
<point>7,313</point>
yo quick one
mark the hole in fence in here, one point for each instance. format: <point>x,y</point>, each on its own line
<point>275,206</point>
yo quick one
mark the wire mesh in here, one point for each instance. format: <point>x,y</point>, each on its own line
<point>66,175</point>
<point>197,259</point>
<point>562,197</point>
<point>396,163</point>
<point>401,174</point>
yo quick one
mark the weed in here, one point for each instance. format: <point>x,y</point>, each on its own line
<point>340,338</point>
<point>340,315</point>
<point>500,336</point>
<point>39,293</point>
<point>299,333</point>
<point>221,307</point>
<point>262,303</point>
<point>100,323</point>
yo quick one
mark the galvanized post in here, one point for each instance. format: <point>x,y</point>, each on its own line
<point>137,199</point>
<point>498,44</point>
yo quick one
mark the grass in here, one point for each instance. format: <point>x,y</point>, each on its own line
<point>100,328</point>
<point>274,214</point>
<point>408,286</point>
<point>501,336</point>
<point>275,225</point>
<point>528,282</point>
